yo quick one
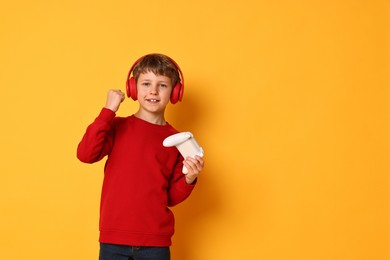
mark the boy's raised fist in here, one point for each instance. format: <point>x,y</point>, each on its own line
<point>114,99</point>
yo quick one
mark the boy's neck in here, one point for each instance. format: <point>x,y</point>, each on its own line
<point>156,119</point>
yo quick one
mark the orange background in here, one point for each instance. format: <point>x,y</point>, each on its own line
<point>289,99</point>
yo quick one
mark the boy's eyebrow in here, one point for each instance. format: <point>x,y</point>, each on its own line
<point>162,80</point>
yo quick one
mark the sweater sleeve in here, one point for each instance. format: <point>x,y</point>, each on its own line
<point>98,138</point>
<point>179,190</point>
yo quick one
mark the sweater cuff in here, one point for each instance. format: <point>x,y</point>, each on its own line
<point>185,187</point>
<point>106,114</point>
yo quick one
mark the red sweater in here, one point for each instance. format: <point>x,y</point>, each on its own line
<point>142,178</point>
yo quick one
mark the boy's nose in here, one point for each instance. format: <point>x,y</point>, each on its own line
<point>153,89</point>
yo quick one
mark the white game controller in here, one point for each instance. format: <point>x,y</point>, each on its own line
<point>186,144</point>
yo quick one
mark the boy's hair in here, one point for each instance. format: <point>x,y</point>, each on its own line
<point>160,65</point>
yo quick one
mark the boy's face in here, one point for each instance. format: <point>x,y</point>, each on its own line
<point>153,91</point>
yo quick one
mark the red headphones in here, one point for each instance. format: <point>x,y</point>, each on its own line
<point>177,91</point>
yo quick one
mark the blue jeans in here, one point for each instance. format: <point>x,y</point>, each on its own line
<point>120,252</point>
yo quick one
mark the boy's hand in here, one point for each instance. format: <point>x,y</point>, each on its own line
<point>114,99</point>
<point>194,167</point>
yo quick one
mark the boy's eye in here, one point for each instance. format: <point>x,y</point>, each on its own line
<point>163,85</point>
<point>145,84</point>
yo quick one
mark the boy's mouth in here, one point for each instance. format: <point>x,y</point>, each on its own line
<point>152,100</point>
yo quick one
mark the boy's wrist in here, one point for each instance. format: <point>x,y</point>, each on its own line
<point>110,108</point>
<point>190,180</point>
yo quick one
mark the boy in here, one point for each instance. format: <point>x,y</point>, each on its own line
<point>142,178</point>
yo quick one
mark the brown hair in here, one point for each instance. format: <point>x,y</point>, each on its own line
<point>159,64</point>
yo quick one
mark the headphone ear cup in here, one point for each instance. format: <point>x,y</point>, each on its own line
<point>177,93</point>
<point>131,88</point>
<point>181,92</point>
<point>128,87</point>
